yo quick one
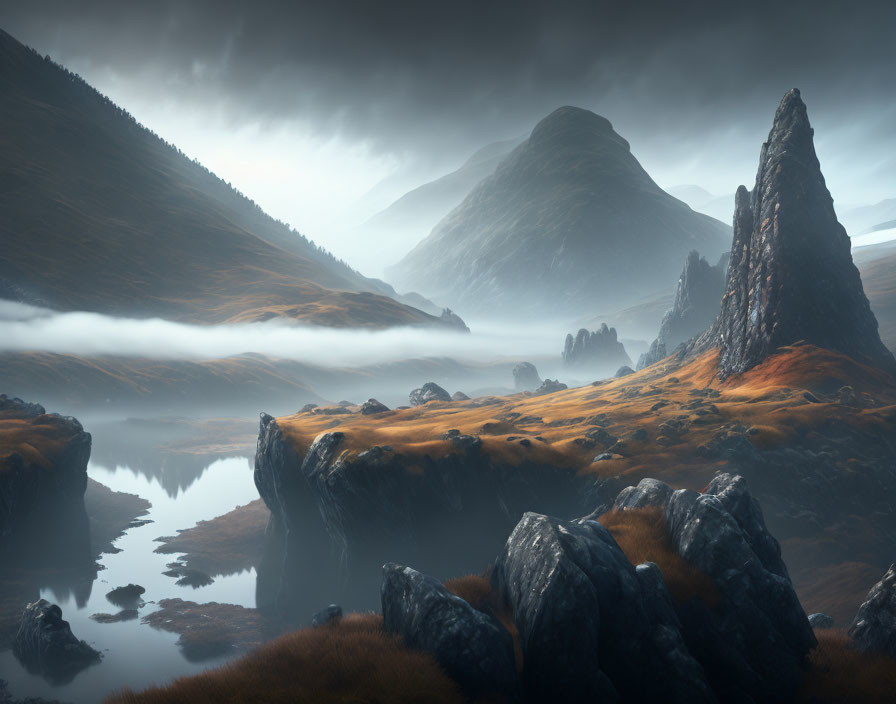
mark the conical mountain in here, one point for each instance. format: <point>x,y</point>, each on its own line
<point>567,222</point>
<point>99,214</point>
<point>791,276</point>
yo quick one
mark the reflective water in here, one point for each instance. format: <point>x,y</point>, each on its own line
<point>135,654</point>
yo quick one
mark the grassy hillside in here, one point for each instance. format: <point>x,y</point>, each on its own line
<point>98,213</point>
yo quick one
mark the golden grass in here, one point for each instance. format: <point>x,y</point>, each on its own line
<point>38,440</point>
<point>350,661</point>
<point>226,544</point>
<point>837,589</point>
<point>643,536</point>
<point>838,673</point>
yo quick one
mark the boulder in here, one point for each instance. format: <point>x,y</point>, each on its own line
<point>525,377</point>
<point>549,386</point>
<point>45,644</point>
<point>473,647</point>
<point>593,627</point>
<point>754,643</point>
<point>331,614</point>
<point>820,621</point>
<point>430,391</point>
<point>128,596</point>
<point>874,628</point>
<point>623,371</point>
<point>371,406</point>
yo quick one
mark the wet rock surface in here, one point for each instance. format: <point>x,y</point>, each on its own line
<point>45,644</point>
<point>473,647</point>
<point>791,275</point>
<point>874,628</point>
<point>430,391</point>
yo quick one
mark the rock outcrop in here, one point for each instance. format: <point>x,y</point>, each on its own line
<point>754,642</point>
<point>43,477</point>
<point>791,276</point>
<point>549,386</point>
<point>453,320</point>
<point>653,355</point>
<point>697,299</point>
<point>473,647</point>
<point>371,407</point>
<point>597,351</point>
<point>593,627</point>
<point>45,644</point>
<point>568,218</point>
<point>430,391</point>
<point>874,628</point>
<point>525,377</point>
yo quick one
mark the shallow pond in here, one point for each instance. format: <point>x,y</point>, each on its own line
<point>135,654</point>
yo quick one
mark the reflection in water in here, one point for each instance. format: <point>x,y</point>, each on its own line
<point>134,654</point>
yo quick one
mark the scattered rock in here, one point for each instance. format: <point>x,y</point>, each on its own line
<point>473,647</point>
<point>332,411</point>
<point>820,621</point>
<point>430,391</point>
<point>123,615</point>
<point>549,386</point>
<point>45,644</point>
<point>372,406</point>
<point>307,408</point>
<point>331,614</point>
<point>874,628</point>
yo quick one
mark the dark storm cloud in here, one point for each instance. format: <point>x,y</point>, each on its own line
<point>428,76</point>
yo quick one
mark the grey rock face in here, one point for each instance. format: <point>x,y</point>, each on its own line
<point>549,386</point>
<point>599,349</point>
<point>698,296</point>
<point>820,621</point>
<point>755,641</point>
<point>473,647</point>
<point>44,643</point>
<point>623,371</point>
<point>791,275</point>
<point>331,614</point>
<point>430,391</point>
<point>874,628</point>
<point>656,352</point>
<point>371,406</point>
<point>525,377</point>
<point>590,623</point>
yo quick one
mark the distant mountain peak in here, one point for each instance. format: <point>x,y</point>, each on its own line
<point>568,120</point>
<point>791,277</point>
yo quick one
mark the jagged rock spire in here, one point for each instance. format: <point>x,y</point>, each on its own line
<point>791,275</point>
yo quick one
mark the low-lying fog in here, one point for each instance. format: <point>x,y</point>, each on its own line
<point>27,328</point>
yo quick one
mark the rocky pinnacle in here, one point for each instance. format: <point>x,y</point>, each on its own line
<point>791,277</point>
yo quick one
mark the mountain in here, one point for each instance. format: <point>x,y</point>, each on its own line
<point>568,221</point>
<point>696,303</point>
<point>791,277</point>
<point>410,218</point>
<point>97,213</point>
<point>701,200</point>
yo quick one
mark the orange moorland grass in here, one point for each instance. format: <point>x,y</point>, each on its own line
<point>353,660</point>
<point>769,398</point>
<point>838,673</point>
<point>38,440</point>
<point>224,545</point>
<point>477,591</point>
<point>643,536</point>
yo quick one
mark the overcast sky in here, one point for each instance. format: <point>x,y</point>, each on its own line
<point>306,105</point>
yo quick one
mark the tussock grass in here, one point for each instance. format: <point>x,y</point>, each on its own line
<point>353,660</point>
<point>839,673</point>
<point>643,536</point>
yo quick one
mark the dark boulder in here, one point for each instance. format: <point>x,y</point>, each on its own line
<point>473,647</point>
<point>623,371</point>
<point>592,626</point>
<point>128,596</point>
<point>874,628</point>
<point>754,643</point>
<point>791,277</point>
<point>371,406</point>
<point>45,644</point>
<point>597,350</point>
<point>819,621</point>
<point>430,391</point>
<point>331,614</point>
<point>549,386</point>
<point>525,377</point>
